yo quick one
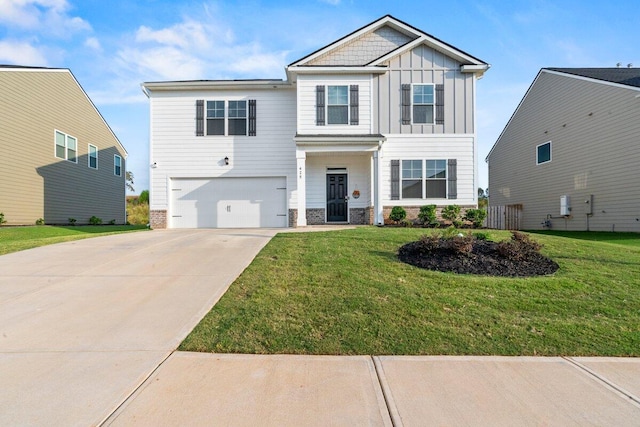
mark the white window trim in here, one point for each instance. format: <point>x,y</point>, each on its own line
<point>115,156</point>
<point>326,103</point>
<point>226,117</point>
<point>89,156</point>
<point>66,146</point>
<point>424,181</point>
<point>433,104</point>
<point>538,162</point>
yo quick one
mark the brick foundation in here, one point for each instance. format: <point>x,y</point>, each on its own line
<point>293,218</point>
<point>315,216</point>
<point>158,219</point>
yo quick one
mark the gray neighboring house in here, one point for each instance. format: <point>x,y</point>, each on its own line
<point>569,157</point>
<point>66,161</point>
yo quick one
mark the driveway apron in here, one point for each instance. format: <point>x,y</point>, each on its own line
<point>84,323</point>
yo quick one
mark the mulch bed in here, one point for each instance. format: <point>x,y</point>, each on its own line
<point>483,259</point>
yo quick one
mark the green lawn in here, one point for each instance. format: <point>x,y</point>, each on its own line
<point>13,239</point>
<point>345,292</point>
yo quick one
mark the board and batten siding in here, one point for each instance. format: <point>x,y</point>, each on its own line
<point>307,104</point>
<point>594,129</point>
<point>34,183</point>
<point>179,153</point>
<point>358,170</point>
<point>424,65</point>
<point>431,147</point>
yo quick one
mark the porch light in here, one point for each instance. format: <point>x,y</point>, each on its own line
<point>226,161</point>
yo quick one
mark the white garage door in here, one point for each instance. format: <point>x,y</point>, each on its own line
<point>228,202</point>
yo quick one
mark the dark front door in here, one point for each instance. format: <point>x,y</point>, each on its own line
<point>337,197</point>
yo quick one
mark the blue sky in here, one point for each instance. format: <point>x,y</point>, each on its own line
<point>112,46</point>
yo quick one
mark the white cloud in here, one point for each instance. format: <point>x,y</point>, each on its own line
<point>93,43</point>
<point>46,16</point>
<point>165,62</point>
<point>21,53</point>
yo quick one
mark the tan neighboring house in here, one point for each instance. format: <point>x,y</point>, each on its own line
<point>62,159</point>
<point>569,157</point>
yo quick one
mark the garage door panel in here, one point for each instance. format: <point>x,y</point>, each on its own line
<point>229,203</point>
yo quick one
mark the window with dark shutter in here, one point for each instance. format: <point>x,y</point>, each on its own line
<point>320,105</point>
<point>439,104</point>
<point>353,104</point>
<point>406,104</point>
<point>200,117</point>
<point>395,179</point>
<point>252,117</point>
<point>452,178</point>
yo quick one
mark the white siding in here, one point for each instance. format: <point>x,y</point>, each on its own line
<point>358,169</point>
<point>594,129</point>
<point>307,105</point>
<point>431,147</point>
<point>179,153</point>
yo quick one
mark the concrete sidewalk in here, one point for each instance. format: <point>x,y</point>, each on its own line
<point>283,390</point>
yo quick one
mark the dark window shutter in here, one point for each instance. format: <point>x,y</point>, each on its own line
<point>252,117</point>
<point>320,105</point>
<point>200,117</point>
<point>406,104</point>
<point>452,178</point>
<point>439,104</point>
<point>353,104</point>
<point>395,179</point>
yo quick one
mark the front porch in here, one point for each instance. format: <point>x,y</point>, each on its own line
<point>338,180</point>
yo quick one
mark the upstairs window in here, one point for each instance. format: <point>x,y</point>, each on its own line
<point>93,157</point>
<point>338,105</point>
<point>543,153</point>
<point>215,117</point>
<point>66,147</point>
<point>237,117</point>
<point>423,104</point>
<point>117,165</point>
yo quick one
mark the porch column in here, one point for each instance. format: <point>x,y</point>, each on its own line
<point>301,174</point>
<point>377,184</point>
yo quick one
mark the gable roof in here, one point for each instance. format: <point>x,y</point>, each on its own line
<point>623,76</point>
<point>629,77</point>
<point>23,68</point>
<point>405,37</point>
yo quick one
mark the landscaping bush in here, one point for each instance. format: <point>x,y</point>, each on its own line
<point>2,220</point>
<point>40,221</point>
<point>452,213</point>
<point>144,197</point>
<point>519,247</point>
<point>94,220</point>
<point>427,216</point>
<point>72,221</point>
<point>476,216</point>
<point>397,214</point>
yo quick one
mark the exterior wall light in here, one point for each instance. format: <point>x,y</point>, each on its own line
<point>226,161</point>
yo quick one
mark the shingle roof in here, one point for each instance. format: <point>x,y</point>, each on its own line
<point>623,76</point>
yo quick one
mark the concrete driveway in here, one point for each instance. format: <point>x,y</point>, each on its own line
<point>84,323</point>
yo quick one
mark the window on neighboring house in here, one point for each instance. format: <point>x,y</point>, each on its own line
<point>93,156</point>
<point>423,103</point>
<point>412,179</point>
<point>215,117</point>
<point>66,147</point>
<point>436,179</point>
<point>117,165</point>
<point>338,105</point>
<point>237,117</point>
<point>543,153</point>
<point>427,183</point>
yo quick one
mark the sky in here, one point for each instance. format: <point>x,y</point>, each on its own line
<point>112,46</point>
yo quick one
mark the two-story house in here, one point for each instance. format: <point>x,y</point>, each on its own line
<point>62,159</point>
<point>383,117</point>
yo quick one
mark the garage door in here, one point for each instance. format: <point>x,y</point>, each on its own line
<point>228,203</point>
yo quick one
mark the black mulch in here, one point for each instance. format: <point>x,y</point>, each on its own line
<point>484,259</point>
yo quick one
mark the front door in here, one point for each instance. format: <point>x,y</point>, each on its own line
<point>337,197</point>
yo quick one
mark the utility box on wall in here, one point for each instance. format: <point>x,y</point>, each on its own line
<point>565,205</point>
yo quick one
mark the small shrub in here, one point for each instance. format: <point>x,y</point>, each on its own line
<point>2,220</point>
<point>94,220</point>
<point>476,216</point>
<point>72,221</point>
<point>427,215</point>
<point>397,214</point>
<point>519,247</point>
<point>452,213</point>
<point>480,235</point>
<point>112,222</point>
<point>450,232</point>
<point>40,221</point>
<point>406,223</point>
